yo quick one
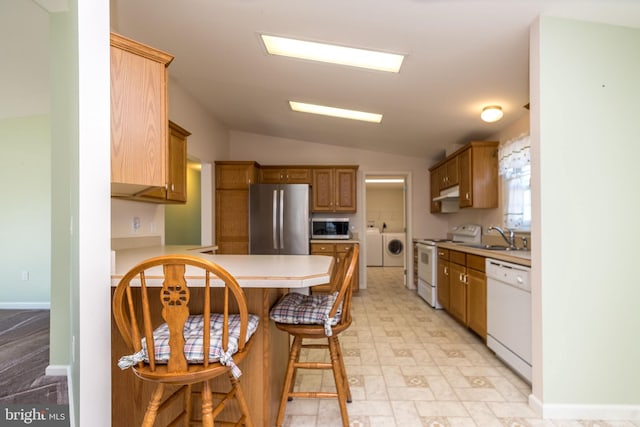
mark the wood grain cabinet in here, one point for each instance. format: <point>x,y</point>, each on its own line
<point>139,116</point>
<point>175,190</point>
<point>334,189</point>
<point>443,278</point>
<point>458,286</point>
<point>280,175</point>
<point>468,291</point>
<point>232,205</point>
<point>477,295</point>
<point>339,252</point>
<point>474,168</point>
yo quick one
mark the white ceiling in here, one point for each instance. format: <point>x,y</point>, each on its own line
<point>461,55</point>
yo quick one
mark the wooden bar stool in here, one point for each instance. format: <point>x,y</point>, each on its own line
<point>313,317</point>
<point>172,354</point>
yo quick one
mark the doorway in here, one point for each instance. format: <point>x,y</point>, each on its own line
<point>386,239</point>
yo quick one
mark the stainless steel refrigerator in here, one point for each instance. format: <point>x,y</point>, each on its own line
<point>279,219</point>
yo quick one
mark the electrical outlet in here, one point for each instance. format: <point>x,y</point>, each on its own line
<point>25,275</point>
<point>135,224</point>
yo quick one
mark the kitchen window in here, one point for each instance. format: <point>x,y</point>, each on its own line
<point>515,169</point>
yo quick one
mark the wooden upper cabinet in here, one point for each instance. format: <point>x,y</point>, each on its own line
<point>478,165</point>
<point>139,118</point>
<point>280,175</point>
<point>177,182</point>
<point>334,189</point>
<point>175,191</point>
<point>232,175</point>
<point>474,168</point>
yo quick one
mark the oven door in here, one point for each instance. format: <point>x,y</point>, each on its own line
<point>426,261</point>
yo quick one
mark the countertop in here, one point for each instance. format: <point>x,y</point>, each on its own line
<point>334,241</point>
<point>251,271</point>
<point>516,257</point>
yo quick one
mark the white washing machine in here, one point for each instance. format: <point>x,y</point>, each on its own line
<point>374,247</point>
<point>393,249</point>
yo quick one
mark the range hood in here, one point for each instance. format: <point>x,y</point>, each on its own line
<point>449,200</point>
<point>448,194</point>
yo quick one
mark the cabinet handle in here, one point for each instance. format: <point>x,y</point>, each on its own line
<point>446,270</point>
<point>467,196</point>
<point>172,187</point>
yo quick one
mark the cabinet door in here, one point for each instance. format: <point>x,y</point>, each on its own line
<point>231,175</point>
<point>323,190</point>
<point>138,114</point>
<point>449,172</point>
<point>232,221</point>
<point>177,182</point>
<point>271,175</point>
<point>328,249</point>
<point>477,302</point>
<point>443,284</point>
<point>345,198</point>
<point>434,181</point>
<point>458,292</point>
<point>466,176</point>
<point>298,175</point>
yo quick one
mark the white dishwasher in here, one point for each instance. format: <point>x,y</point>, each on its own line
<point>509,314</point>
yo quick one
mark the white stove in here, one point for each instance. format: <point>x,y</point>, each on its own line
<point>428,259</point>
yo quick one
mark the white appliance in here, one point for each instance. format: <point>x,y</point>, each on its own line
<point>393,254</point>
<point>509,314</point>
<point>374,247</point>
<point>428,260</point>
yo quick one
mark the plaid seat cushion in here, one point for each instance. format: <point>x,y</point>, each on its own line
<point>298,309</point>
<point>193,348</point>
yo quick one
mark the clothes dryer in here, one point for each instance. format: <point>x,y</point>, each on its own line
<point>394,245</point>
<point>374,247</point>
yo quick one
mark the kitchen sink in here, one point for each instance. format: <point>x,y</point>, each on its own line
<point>495,247</point>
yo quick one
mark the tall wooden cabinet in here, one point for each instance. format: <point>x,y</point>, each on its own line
<point>334,189</point>
<point>139,116</point>
<point>232,205</point>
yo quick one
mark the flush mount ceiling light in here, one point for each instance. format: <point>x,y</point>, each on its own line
<point>333,54</point>
<point>491,113</point>
<point>335,112</point>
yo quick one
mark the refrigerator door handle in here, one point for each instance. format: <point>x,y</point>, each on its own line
<point>274,226</point>
<point>281,219</point>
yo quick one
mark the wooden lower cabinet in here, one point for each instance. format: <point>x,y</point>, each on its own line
<point>467,290</point>
<point>477,295</point>
<point>443,288</point>
<point>458,291</point>
<point>339,252</point>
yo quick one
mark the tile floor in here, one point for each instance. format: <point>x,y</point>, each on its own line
<point>410,365</point>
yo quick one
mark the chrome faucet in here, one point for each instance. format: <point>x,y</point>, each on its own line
<point>511,240</point>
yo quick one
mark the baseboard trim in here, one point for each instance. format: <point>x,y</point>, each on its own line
<point>57,371</point>
<point>64,371</point>
<point>25,306</point>
<point>584,412</point>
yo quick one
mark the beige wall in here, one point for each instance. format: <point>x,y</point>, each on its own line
<point>385,206</point>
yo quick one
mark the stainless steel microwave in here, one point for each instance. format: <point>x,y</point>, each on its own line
<point>330,228</point>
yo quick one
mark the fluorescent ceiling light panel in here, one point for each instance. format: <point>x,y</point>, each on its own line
<point>335,112</point>
<point>384,180</point>
<point>333,54</point>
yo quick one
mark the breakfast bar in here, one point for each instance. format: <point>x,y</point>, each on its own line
<point>264,278</point>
